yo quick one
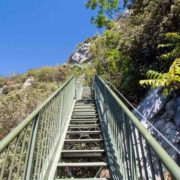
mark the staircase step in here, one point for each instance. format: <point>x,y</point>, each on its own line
<point>83,140</point>
<point>83,132</point>
<point>83,153</point>
<point>84,116</point>
<point>85,104</point>
<point>84,164</point>
<point>84,107</point>
<point>86,101</point>
<point>83,179</point>
<point>84,126</point>
<point>84,111</point>
<point>84,119</point>
<point>84,122</point>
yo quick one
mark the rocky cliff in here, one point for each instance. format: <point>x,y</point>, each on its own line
<point>82,55</point>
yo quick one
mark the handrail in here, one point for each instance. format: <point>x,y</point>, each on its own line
<point>26,152</point>
<point>10,137</point>
<point>145,158</point>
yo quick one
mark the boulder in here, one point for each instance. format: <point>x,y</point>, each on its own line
<point>4,90</point>
<point>29,82</point>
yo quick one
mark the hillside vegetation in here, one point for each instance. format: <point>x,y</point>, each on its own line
<point>21,94</point>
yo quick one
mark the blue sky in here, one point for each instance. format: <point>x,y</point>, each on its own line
<point>35,33</point>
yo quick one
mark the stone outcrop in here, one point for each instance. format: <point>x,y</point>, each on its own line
<point>82,54</point>
<point>163,113</point>
<point>29,82</point>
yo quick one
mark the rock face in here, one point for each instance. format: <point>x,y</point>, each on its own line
<point>152,103</point>
<point>82,54</point>
<point>164,114</point>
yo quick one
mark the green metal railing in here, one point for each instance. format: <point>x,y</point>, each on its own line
<point>27,151</point>
<point>132,152</point>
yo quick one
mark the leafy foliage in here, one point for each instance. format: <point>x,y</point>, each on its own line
<point>107,11</point>
<point>17,102</point>
<point>126,51</point>
<point>172,46</point>
<point>169,80</point>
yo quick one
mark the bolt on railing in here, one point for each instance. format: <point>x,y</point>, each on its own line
<point>26,152</point>
<point>132,151</point>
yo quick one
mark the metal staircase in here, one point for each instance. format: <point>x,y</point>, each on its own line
<point>83,154</point>
<point>75,135</point>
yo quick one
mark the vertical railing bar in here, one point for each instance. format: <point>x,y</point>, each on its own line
<point>4,164</point>
<point>31,149</point>
<point>160,169</point>
<point>56,117</point>
<point>120,141</point>
<point>143,156</point>
<point>21,153</point>
<point>122,137</point>
<point>61,110</point>
<point>137,152</point>
<point>14,154</point>
<point>133,156</point>
<point>49,132</point>
<point>125,148</point>
<point>43,140</point>
<point>42,114</point>
<point>150,162</point>
<point>59,113</point>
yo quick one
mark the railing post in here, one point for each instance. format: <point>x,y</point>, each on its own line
<point>31,149</point>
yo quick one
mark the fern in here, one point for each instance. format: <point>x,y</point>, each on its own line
<point>153,74</point>
<point>169,80</point>
<point>173,44</point>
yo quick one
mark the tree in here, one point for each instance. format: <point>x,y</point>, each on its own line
<point>108,10</point>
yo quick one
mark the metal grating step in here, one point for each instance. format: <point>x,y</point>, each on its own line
<point>84,126</point>
<point>83,179</point>
<point>86,100</point>
<point>83,140</point>
<point>83,153</point>
<point>84,122</point>
<point>84,106</point>
<point>78,113</point>
<point>84,132</point>
<point>84,116</point>
<point>84,164</point>
<point>84,119</point>
<point>84,110</point>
